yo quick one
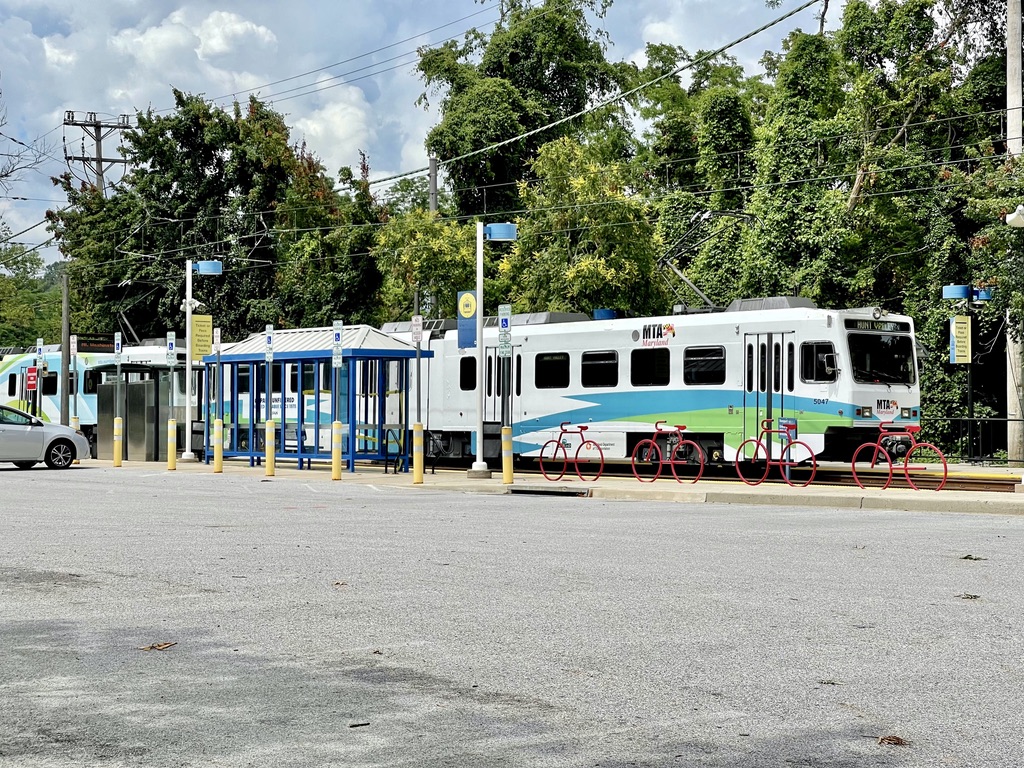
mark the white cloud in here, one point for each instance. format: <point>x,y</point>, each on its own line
<point>172,42</point>
<point>338,130</point>
<point>222,32</point>
<point>58,56</point>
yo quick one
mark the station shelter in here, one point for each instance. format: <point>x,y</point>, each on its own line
<point>304,384</point>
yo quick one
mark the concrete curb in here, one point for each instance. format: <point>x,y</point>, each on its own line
<point>627,489</point>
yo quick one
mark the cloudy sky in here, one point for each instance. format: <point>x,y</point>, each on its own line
<point>342,71</point>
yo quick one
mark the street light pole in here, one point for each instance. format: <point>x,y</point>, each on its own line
<point>480,465</point>
<point>187,454</point>
<point>506,232</point>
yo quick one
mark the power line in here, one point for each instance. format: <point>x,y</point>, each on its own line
<point>354,58</point>
<point>607,102</point>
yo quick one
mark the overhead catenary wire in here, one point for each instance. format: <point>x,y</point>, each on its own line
<point>327,67</point>
<point>606,102</point>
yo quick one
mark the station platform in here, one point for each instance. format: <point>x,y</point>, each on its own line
<point>705,491</point>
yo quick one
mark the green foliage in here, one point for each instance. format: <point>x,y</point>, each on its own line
<point>541,65</point>
<point>418,251</point>
<point>29,303</point>
<point>584,242</point>
<point>724,139</point>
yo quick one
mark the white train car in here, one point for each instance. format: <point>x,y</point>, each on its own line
<point>837,373</point>
<point>90,369</point>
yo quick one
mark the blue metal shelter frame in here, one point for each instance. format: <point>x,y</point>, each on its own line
<point>305,393</point>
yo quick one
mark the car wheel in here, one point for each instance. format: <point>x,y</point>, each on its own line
<point>60,454</point>
<point>25,464</point>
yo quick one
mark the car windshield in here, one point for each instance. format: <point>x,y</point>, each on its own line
<point>882,358</point>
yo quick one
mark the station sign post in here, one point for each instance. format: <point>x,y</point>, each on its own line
<point>172,358</point>
<point>269,351</point>
<point>505,356</point>
<point>73,343</point>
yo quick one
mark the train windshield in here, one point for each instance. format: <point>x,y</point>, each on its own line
<point>882,358</point>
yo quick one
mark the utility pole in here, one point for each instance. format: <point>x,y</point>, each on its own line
<point>1014,131</point>
<point>65,349</point>
<point>97,130</point>
<point>1014,121</point>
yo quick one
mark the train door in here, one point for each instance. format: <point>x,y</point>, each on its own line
<point>768,381</point>
<point>501,400</point>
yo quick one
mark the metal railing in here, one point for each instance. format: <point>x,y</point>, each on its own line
<point>972,441</point>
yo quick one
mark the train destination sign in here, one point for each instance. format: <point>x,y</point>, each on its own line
<point>888,326</point>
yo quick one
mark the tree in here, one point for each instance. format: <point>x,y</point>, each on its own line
<point>29,304</point>
<point>540,66</point>
<point>584,243</point>
<point>203,183</point>
<point>419,251</point>
<point>326,269</point>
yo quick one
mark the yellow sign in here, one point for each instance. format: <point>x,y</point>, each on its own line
<point>467,305</point>
<point>202,336</point>
<point>960,339</point>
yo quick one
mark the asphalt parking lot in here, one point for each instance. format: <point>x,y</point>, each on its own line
<point>162,619</point>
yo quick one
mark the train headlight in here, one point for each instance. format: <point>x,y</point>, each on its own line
<point>866,412</point>
<point>904,413</point>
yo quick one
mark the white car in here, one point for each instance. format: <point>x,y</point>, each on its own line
<point>26,440</point>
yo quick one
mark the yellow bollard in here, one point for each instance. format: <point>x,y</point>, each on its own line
<point>417,454</point>
<point>218,446</point>
<point>76,425</point>
<point>172,444</point>
<point>336,450</point>
<point>270,446</point>
<point>118,448</point>
<point>506,455</point>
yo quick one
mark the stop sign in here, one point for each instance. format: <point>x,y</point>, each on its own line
<point>31,377</point>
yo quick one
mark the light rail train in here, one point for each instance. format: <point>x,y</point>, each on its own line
<point>834,375</point>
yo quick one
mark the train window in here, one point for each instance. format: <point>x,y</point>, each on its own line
<point>750,367</point>
<point>791,366</point>
<point>703,365</point>
<point>467,373</point>
<point>308,377</point>
<point>762,378</point>
<point>243,378</point>
<point>490,376</point>
<point>817,361</point>
<point>777,368</point>
<point>650,367</point>
<point>48,384</point>
<point>91,382</point>
<point>12,385</point>
<point>519,375</point>
<point>367,373</point>
<point>882,358</point>
<point>551,370</point>
<point>600,369</point>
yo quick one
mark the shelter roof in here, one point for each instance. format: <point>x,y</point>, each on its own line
<point>356,341</point>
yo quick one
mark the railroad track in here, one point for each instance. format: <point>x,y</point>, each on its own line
<point>828,474</point>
